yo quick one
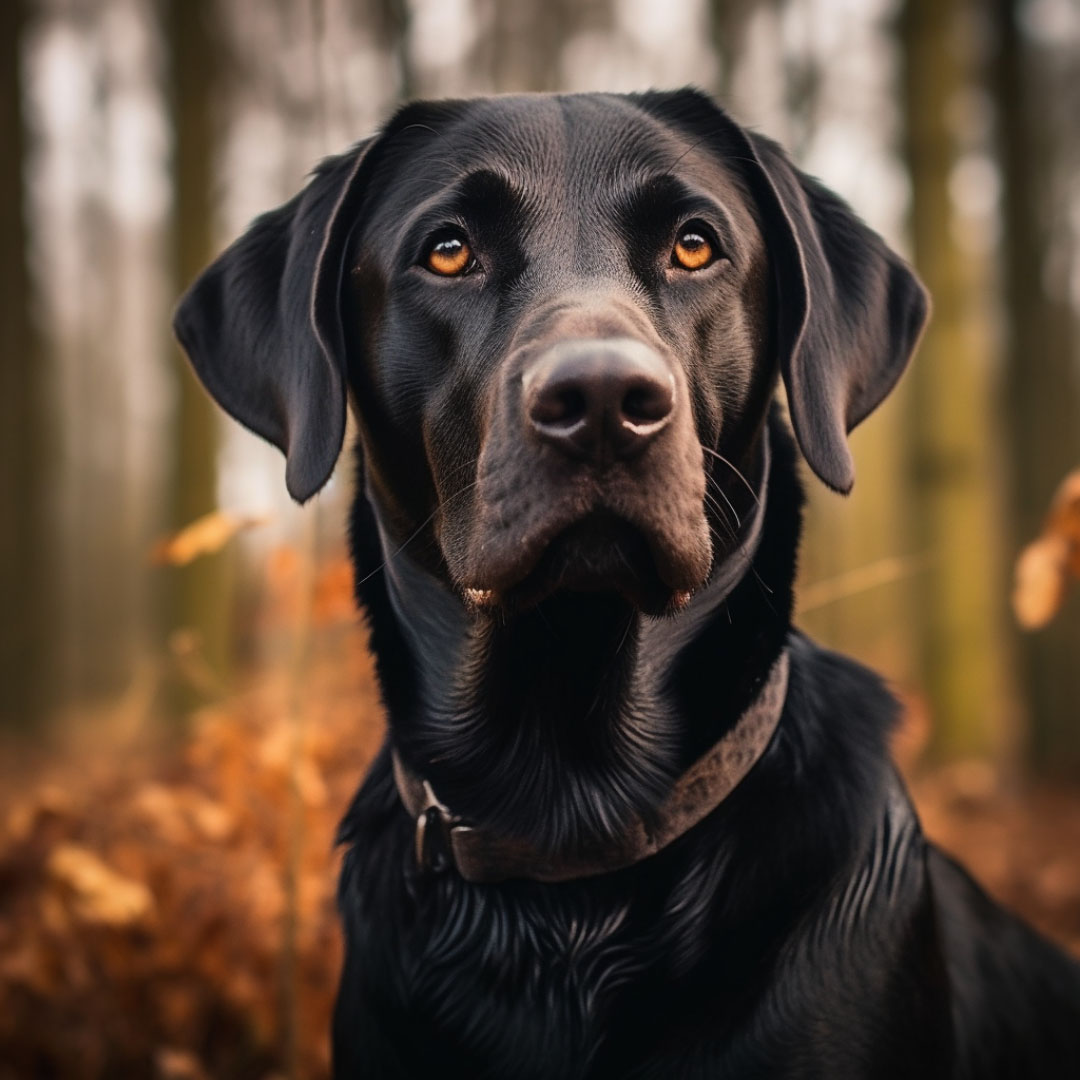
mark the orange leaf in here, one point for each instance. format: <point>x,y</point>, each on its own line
<point>203,536</point>
<point>1064,519</point>
<point>1044,567</point>
<point>1040,582</point>
<point>99,893</point>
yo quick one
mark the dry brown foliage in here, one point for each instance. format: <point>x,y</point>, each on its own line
<point>169,911</point>
<point>203,536</point>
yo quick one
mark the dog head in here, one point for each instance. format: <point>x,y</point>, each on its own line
<point>560,320</point>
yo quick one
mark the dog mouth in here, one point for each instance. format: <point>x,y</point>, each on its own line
<point>598,554</point>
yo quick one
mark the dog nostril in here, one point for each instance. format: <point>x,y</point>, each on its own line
<point>565,405</point>
<point>647,402</point>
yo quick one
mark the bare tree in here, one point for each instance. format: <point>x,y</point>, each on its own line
<point>1041,408</point>
<point>201,597</point>
<point>949,421</point>
<point>25,447</point>
<point>727,28</point>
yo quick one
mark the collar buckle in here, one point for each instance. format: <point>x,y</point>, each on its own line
<point>434,849</point>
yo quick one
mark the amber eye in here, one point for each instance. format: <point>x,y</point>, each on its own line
<point>450,257</point>
<point>693,251</point>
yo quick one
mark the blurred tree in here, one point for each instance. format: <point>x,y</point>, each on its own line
<point>524,48</point>
<point>949,422</point>
<point>25,447</point>
<point>728,21</point>
<point>1041,408</point>
<point>391,19</point>
<point>201,599</point>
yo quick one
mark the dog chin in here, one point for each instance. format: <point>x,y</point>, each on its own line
<point>597,556</point>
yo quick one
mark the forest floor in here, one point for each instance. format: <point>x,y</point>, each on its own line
<point>167,907</point>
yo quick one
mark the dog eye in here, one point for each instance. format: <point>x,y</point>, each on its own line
<point>693,250</point>
<point>450,257</point>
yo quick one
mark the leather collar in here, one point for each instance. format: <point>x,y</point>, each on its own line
<point>483,856</point>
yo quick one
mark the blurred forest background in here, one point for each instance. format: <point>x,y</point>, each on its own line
<point>182,722</point>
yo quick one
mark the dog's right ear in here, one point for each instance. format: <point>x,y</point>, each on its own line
<point>262,324</point>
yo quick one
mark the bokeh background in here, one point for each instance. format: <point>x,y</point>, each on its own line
<point>185,696</point>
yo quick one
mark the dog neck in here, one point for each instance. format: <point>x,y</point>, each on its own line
<point>484,856</point>
<point>581,707</point>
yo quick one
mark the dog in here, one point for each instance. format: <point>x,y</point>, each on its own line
<point>628,821</point>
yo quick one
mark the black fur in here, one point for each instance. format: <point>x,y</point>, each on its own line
<point>805,928</point>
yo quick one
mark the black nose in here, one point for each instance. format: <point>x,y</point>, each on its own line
<point>599,400</point>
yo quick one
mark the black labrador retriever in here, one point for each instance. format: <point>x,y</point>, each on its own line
<point>628,821</point>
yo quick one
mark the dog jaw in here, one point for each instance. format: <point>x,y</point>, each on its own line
<point>645,537</point>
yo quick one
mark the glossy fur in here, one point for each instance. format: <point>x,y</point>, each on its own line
<point>805,928</point>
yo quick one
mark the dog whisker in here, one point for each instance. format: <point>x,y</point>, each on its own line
<point>419,529</point>
<point>723,495</point>
<point>722,514</point>
<point>720,457</point>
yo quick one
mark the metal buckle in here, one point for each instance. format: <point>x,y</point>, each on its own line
<point>433,824</point>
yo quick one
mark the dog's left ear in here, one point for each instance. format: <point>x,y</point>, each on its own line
<point>850,311</point>
<point>262,324</point>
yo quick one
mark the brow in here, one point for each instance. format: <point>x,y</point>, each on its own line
<point>481,197</point>
<point>661,195</point>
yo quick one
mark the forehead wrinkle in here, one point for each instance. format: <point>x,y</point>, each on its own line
<point>613,149</point>
<point>515,131</point>
<point>549,149</point>
<point>691,162</point>
<point>517,139</point>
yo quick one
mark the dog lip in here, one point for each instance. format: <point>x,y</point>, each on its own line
<point>481,599</point>
<point>597,552</point>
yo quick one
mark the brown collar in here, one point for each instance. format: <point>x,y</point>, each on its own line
<point>483,856</point>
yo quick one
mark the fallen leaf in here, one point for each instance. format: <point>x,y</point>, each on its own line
<point>157,805</point>
<point>174,1064</point>
<point>203,536</point>
<point>1064,518</point>
<point>1044,567</point>
<point>1040,582</point>
<point>99,894</point>
<point>214,821</point>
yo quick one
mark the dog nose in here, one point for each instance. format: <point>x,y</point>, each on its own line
<point>599,400</point>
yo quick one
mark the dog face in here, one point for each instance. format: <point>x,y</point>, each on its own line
<point>555,317</point>
<point>554,346</point>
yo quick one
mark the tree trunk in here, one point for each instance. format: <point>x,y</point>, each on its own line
<point>26,673</point>
<point>949,426</point>
<point>201,593</point>
<point>392,19</point>
<point>1041,408</point>
<point>524,49</point>
<point>727,30</point>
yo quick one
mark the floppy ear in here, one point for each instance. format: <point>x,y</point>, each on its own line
<point>262,324</point>
<point>850,310</point>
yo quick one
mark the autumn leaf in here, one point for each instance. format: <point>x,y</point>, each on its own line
<point>99,894</point>
<point>203,536</point>
<point>1045,566</point>
<point>1064,519</point>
